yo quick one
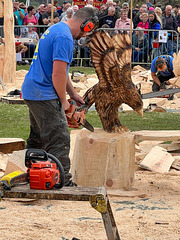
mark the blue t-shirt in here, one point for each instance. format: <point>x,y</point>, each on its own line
<point>55,44</point>
<point>165,73</point>
<point>19,19</point>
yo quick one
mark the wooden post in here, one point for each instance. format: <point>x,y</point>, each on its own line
<point>104,159</point>
<point>8,65</point>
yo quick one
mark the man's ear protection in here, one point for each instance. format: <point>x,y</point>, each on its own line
<point>89,24</point>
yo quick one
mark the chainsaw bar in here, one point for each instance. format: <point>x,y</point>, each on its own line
<point>160,93</point>
<point>20,179</point>
<point>87,125</point>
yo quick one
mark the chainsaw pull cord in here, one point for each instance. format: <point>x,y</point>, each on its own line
<point>61,171</point>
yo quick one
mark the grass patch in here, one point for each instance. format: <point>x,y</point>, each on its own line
<point>86,70</point>
<point>14,121</point>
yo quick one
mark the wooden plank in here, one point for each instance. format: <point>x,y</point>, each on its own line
<point>8,145</point>
<point>12,100</point>
<point>157,160</point>
<point>73,194</point>
<point>65,193</point>
<point>164,135</point>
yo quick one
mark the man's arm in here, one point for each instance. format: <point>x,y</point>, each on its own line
<point>22,16</point>
<point>72,93</point>
<point>155,78</point>
<point>59,79</point>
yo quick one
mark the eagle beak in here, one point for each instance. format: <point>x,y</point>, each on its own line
<point>140,112</point>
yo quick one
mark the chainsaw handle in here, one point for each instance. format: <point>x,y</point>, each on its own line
<point>35,154</point>
<point>61,171</point>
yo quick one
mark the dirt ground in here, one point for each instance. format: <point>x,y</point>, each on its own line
<point>154,215</point>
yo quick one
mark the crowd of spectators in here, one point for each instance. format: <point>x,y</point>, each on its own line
<point>115,15</point>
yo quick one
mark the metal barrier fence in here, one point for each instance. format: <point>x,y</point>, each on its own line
<point>146,44</point>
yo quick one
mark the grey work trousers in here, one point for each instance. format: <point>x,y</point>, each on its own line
<point>49,130</point>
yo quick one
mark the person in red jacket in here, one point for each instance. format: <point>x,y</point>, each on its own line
<point>144,24</point>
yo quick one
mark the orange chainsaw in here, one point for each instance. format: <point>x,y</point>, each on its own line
<point>76,116</point>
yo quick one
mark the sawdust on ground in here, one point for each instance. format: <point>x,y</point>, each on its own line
<point>153,216</point>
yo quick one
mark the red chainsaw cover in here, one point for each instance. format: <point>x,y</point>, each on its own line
<point>43,175</point>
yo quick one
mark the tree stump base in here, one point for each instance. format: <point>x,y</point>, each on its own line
<point>104,159</point>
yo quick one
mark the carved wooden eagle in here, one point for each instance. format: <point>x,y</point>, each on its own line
<point>112,58</point>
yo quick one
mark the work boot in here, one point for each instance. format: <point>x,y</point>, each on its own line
<point>70,183</point>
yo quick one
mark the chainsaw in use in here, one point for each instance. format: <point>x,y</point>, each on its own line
<point>164,92</point>
<point>44,171</point>
<point>76,116</point>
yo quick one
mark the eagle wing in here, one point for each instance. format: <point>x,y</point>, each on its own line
<point>110,56</point>
<point>176,64</point>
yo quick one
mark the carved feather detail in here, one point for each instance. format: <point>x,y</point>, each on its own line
<point>112,57</point>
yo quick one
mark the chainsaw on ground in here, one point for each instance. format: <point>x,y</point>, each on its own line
<point>76,116</point>
<point>78,76</point>
<point>44,171</point>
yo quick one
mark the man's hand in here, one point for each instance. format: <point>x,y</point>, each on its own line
<point>65,104</point>
<point>168,82</point>
<point>78,99</point>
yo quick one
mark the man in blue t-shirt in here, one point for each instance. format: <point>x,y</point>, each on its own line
<point>161,71</point>
<point>45,86</point>
<point>19,12</point>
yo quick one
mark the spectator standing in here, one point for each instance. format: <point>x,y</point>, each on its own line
<point>19,12</point>
<point>105,12</point>
<point>125,6</point>
<point>139,46</point>
<point>103,7</point>
<point>30,17</point>
<point>169,21</point>
<point>144,24</point>
<point>109,19</point>
<point>123,22</point>
<point>135,10</point>
<point>24,7</point>
<point>75,8</point>
<point>137,18</point>
<point>63,8</point>
<point>158,11</point>
<point>42,9</point>
<point>68,5</point>
<point>46,17</point>
<point>154,23</point>
<point>148,4</point>
<point>69,14</point>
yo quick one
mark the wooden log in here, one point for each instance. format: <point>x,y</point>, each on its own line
<point>8,145</point>
<point>10,54</point>
<point>104,159</point>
